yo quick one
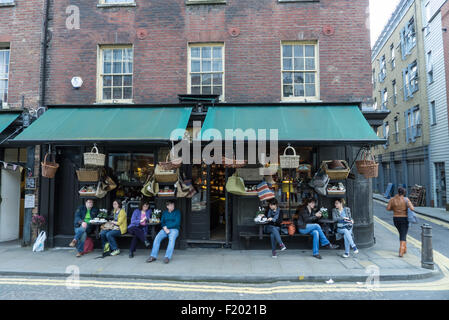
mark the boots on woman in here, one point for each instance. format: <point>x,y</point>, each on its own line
<point>402,248</point>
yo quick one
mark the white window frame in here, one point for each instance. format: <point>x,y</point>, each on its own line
<point>395,92</point>
<point>427,17</point>
<point>385,99</point>
<point>223,72</point>
<point>6,49</point>
<point>429,67</point>
<point>100,74</point>
<point>383,69</point>
<point>317,72</point>
<point>433,113</point>
<point>396,130</point>
<point>417,122</point>
<point>393,56</point>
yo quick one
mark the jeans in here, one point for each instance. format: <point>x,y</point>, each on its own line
<point>138,233</point>
<point>109,236</point>
<point>318,236</point>
<point>347,235</point>
<point>80,236</point>
<point>402,225</point>
<point>274,235</point>
<point>171,242</point>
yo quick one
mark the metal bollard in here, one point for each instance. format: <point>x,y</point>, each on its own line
<point>426,247</point>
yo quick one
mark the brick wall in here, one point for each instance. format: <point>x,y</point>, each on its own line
<point>252,59</point>
<point>21,28</point>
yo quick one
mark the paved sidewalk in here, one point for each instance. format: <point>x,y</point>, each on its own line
<point>437,213</point>
<point>224,265</point>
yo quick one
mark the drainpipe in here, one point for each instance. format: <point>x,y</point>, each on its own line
<point>31,150</point>
<point>44,46</point>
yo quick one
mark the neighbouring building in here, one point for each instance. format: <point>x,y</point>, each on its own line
<point>124,74</point>
<point>21,56</point>
<point>399,77</point>
<point>436,46</point>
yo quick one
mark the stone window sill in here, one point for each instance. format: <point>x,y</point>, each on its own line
<point>109,5</point>
<point>188,2</point>
<point>8,4</point>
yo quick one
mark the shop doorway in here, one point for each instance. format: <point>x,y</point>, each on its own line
<point>207,218</point>
<point>10,205</point>
<point>440,185</point>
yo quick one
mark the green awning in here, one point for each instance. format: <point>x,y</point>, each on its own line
<point>96,124</point>
<point>304,123</point>
<point>6,119</point>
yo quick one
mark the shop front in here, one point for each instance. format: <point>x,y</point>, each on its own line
<point>13,176</point>
<point>135,139</point>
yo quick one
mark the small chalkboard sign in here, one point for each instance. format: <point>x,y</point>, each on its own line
<point>30,183</point>
<point>389,191</point>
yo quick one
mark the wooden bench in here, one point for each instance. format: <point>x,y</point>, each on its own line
<point>249,235</point>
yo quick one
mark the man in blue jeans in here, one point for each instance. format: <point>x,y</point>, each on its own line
<point>82,225</point>
<point>170,223</point>
<point>306,225</point>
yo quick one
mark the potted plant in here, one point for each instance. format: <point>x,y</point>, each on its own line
<point>156,216</point>
<point>324,212</point>
<point>37,225</point>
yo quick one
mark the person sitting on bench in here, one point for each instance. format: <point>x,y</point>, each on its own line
<point>306,225</point>
<point>273,228</point>
<point>170,223</point>
<point>139,226</point>
<point>120,227</point>
<point>83,215</point>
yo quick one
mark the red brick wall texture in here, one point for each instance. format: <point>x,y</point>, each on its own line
<point>252,59</point>
<point>21,30</point>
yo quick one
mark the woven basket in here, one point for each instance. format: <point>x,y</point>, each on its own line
<point>368,168</point>
<point>233,163</point>
<point>336,174</point>
<point>49,168</point>
<point>166,176</point>
<point>94,158</point>
<point>171,164</point>
<point>87,175</point>
<point>289,161</point>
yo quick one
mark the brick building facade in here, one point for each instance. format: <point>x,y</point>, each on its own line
<point>251,32</point>
<point>149,52</point>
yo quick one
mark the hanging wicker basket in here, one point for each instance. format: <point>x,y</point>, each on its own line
<point>336,174</point>
<point>233,163</point>
<point>369,168</point>
<point>49,168</point>
<point>94,159</point>
<point>289,161</point>
<point>88,175</point>
<point>171,164</point>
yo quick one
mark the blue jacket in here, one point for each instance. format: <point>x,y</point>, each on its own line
<point>80,214</point>
<point>135,220</point>
<point>171,220</point>
<point>277,220</point>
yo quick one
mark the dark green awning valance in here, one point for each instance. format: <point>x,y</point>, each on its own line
<point>97,124</point>
<point>6,119</point>
<point>304,123</point>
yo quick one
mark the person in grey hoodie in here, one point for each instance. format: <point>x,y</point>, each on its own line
<point>343,216</point>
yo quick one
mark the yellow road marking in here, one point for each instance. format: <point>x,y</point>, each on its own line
<point>438,285</point>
